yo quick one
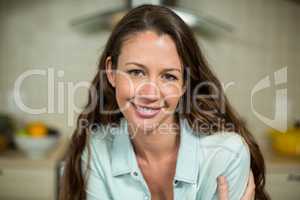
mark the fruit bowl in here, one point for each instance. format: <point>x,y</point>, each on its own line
<point>36,139</point>
<point>35,148</point>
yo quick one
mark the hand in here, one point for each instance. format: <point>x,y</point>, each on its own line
<point>223,188</point>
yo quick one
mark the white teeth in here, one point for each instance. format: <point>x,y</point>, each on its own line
<point>146,110</point>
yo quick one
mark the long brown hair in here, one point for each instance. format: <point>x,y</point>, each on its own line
<point>162,21</point>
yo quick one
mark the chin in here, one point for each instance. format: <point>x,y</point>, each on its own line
<point>146,125</point>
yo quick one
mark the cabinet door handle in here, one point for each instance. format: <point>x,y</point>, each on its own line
<point>293,177</point>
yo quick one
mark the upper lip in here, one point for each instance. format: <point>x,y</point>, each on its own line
<point>144,106</point>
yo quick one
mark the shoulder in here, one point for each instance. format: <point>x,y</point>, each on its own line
<point>227,154</point>
<point>98,145</point>
<point>231,142</point>
<point>224,153</point>
<point>224,149</point>
<point>228,141</point>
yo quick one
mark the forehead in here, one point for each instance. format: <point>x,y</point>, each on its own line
<point>150,49</point>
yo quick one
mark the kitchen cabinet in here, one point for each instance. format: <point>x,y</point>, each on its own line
<point>282,176</point>
<point>22,178</point>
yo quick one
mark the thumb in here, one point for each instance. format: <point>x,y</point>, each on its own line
<point>222,188</point>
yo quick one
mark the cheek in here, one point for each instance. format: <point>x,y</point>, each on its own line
<point>171,94</point>
<point>124,89</point>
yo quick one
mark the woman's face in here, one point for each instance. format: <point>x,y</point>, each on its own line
<point>148,80</point>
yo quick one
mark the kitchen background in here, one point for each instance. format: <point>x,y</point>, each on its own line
<point>36,34</point>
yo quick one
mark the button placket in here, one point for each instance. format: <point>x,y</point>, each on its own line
<point>146,197</point>
<point>175,182</point>
<point>135,174</point>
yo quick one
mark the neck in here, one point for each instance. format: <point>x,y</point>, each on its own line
<point>159,144</point>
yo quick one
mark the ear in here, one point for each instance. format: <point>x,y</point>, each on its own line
<point>109,72</point>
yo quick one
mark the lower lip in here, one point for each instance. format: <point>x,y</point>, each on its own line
<point>146,114</point>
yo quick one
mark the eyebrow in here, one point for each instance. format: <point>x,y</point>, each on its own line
<point>145,68</point>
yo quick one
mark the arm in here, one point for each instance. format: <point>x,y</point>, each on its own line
<point>223,188</point>
<point>237,174</point>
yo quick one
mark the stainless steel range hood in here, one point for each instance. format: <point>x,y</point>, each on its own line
<point>106,20</point>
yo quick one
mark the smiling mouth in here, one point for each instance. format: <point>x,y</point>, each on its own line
<point>146,112</point>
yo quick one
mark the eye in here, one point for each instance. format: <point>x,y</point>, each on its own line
<point>170,77</point>
<point>135,72</point>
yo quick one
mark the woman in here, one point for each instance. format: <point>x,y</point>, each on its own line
<point>157,124</point>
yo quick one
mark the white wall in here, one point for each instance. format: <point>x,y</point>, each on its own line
<point>265,39</point>
<point>37,35</point>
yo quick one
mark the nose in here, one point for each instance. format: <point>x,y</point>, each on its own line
<point>148,91</point>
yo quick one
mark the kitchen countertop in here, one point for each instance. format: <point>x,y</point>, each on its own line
<point>17,159</point>
<point>276,163</point>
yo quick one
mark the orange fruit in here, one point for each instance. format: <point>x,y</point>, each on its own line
<point>37,129</point>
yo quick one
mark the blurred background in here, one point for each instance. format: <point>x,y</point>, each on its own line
<point>50,48</point>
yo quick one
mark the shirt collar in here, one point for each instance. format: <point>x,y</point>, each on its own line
<point>121,150</point>
<point>187,165</point>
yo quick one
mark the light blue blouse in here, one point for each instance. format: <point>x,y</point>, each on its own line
<point>114,172</point>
